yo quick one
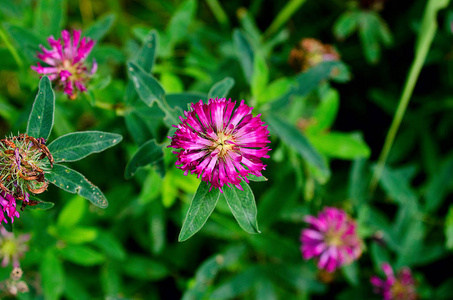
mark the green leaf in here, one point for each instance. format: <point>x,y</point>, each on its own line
<point>255,178</point>
<point>37,203</point>
<point>183,100</point>
<point>244,53</point>
<point>77,145</point>
<point>52,275</point>
<point>449,228</point>
<point>260,76</point>
<point>82,255</point>
<point>41,117</point>
<point>237,285</point>
<point>340,145</point>
<point>438,185</point>
<point>27,42</point>
<point>74,235</point>
<point>72,212</point>
<point>157,227</point>
<point>48,17</point>
<point>294,138</point>
<point>100,28</point>
<point>243,206</point>
<point>147,87</point>
<point>110,245</point>
<point>326,112</point>
<point>351,273</point>
<point>221,88</point>
<point>74,182</point>
<point>201,207</point>
<point>150,91</point>
<point>180,21</point>
<point>369,36</point>
<point>305,82</point>
<point>148,51</point>
<point>148,153</point>
<point>346,24</point>
<point>144,268</point>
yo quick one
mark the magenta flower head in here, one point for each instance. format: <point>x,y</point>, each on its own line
<point>401,287</point>
<point>66,62</point>
<point>220,143</point>
<point>331,238</point>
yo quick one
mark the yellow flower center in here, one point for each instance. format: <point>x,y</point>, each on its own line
<point>221,144</point>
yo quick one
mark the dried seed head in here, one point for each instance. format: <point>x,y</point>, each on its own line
<point>22,168</point>
<point>309,52</point>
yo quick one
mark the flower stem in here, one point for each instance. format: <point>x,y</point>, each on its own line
<point>427,32</point>
<point>290,8</point>
<point>11,48</point>
<point>218,12</point>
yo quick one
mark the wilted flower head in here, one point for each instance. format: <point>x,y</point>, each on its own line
<point>22,169</point>
<point>401,287</point>
<point>331,238</point>
<point>13,285</point>
<point>66,60</point>
<point>309,52</point>
<point>221,144</point>
<point>12,248</point>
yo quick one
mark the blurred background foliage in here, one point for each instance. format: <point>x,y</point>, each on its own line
<point>328,125</point>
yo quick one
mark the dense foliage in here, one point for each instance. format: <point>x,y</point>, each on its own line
<point>352,95</point>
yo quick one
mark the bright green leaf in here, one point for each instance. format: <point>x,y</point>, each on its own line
<point>449,228</point>
<point>72,212</point>
<point>52,275</point>
<point>82,255</point>
<point>100,28</point>
<point>340,145</point>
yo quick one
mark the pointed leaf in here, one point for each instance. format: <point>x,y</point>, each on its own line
<point>147,87</point>
<point>37,203</point>
<point>73,182</point>
<point>294,138</point>
<point>203,204</point>
<point>99,29</point>
<point>147,53</point>
<point>243,206</point>
<point>82,255</point>
<point>221,88</point>
<point>255,178</point>
<point>52,275</point>
<point>77,145</point>
<point>148,153</point>
<point>244,53</point>
<point>41,117</point>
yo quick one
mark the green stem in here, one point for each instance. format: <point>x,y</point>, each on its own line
<point>11,48</point>
<point>426,36</point>
<point>290,8</point>
<point>218,12</point>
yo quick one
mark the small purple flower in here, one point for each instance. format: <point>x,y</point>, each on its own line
<point>8,206</point>
<point>12,248</point>
<point>331,238</point>
<point>220,143</point>
<point>401,287</point>
<point>66,62</point>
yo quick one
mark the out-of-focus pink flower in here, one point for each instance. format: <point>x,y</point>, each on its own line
<point>66,62</point>
<point>400,287</point>
<point>331,238</point>
<point>220,143</point>
<point>12,248</point>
